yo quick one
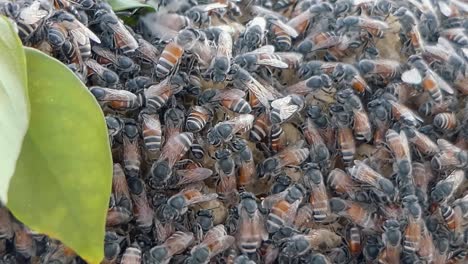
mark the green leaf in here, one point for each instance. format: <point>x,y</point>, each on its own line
<point>62,182</point>
<point>14,107</point>
<point>119,5</point>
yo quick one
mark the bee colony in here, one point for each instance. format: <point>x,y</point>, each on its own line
<point>263,131</point>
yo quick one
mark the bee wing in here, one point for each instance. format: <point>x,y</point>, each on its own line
<point>221,245</point>
<point>81,32</point>
<point>105,53</point>
<point>273,63</point>
<point>286,110</point>
<point>148,51</point>
<point>95,66</point>
<point>443,84</point>
<point>151,121</point>
<point>119,183</point>
<point>243,122</point>
<point>269,49</point>
<point>270,200</point>
<point>330,42</point>
<point>404,142</point>
<point>122,34</point>
<point>444,8</point>
<point>193,175</point>
<point>209,7</point>
<point>175,146</point>
<point>228,94</point>
<point>463,5</point>
<point>291,212</point>
<point>158,89</point>
<point>118,95</point>
<point>202,198</point>
<point>444,145</point>
<point>33,14</point>
<point>287,28</point>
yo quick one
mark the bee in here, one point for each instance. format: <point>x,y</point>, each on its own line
<point>176,244</point>
<point>251,230</point>
<point>232,99</point>
<point>355,240</point>
<point>449,156</point>
<point>315,239</point>
<point>288,157</point>
<point>246,166</point>
<point>224,131</point>
<point>118,100</point>
<point>365,174</point>
<point>226,169</point>
<point>24,242</point>
<point>131,150</point>
<point>253,36</point>
<point>409,32</point>
<point>423,143</point>
<point>113,27</point>
<point>445,59</point>
<point>391,239</point>
<point>151,131</point>
<point>221,63</point>
<point>157,95</point>
<point>313,180</point>
<point>198,118</point>
<point>178,204</point>
<point>446,188</point>
<point>244,80</point>
<point>323,124</point>
<point>318,150</point>
<point>131,255</point>
<point>357,213</point>
<point>175,147</point>
<point>430,81</point>
<point>120,188</point>
<point>142,211</point>
<point>120,63</point>
<point>100,75</point>
<point>64,24</point>
<point>172,53</point>
<point>381,71</point>
<point>283,208</point>
<point>398,144</point>
<point>412,233</point>
<point>284,108</point>
<point>30,19</point>
<point>111,247</point>
<point>215,242</point>
<point>201,14</point>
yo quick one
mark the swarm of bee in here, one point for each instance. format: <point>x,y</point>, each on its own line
<point>284,131</point>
